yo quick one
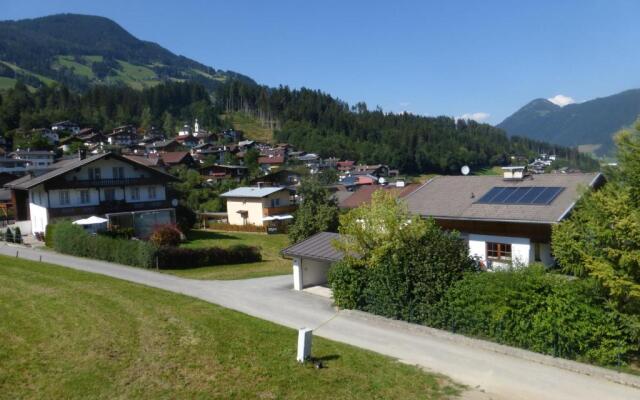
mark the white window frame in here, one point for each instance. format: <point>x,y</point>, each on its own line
<point>152,193</point>
<point>64,198</point>
<point>85,196</point>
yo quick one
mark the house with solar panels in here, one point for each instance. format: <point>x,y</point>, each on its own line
<point>505,219</point>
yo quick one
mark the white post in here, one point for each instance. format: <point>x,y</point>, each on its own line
<point>297,274</point>
<point>304,344</point>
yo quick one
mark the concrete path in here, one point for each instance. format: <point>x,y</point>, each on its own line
<point>501,376</point>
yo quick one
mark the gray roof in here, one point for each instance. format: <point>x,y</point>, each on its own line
<point>27,182</point>
<point>455,197</point>
<point>317,247</point>
<point>254,192</point>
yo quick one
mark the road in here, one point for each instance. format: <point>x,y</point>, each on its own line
<point>500,376</point>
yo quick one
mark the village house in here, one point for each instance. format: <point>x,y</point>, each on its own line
<point>220,172</point>
<point>126,193</point>
<point>66,126</point>
<point>124,136</point>
<point>505,220</point>
<point>37,160</point>
<point>258,205</point>
<point>282,177</point>
<point>175,158</point>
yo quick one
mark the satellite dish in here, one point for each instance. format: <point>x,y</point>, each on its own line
<point>174,202</point>
<point>465,170</point>
<point>382,181</point>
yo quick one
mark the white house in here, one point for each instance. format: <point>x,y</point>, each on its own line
<point>505,220</point>
<point>128,193</point>
<point>37,160</point>
<point>66,126</point>
<point>257,205</point>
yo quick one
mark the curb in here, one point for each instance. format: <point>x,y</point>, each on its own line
<point>569,365</point>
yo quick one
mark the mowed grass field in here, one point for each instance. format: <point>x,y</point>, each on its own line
<point>66,334</point>
<point>270,245</point>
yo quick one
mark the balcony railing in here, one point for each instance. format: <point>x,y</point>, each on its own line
<point>268,211</point>
<point>108,207</point>
<point>93,183</point>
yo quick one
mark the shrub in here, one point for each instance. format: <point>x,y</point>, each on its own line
<point>347,284</point>
<point>73,239</point>
<point>166,235</point>
<point>48,235</point>
<point>17,235</point>
<point>181,257</point>
<point>539,311</point>
<point>236,228</point>
<point>185,218</point>
<point>8,235</point>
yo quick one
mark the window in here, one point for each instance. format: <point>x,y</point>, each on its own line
<point>64,197</point>
<point>110,194</point>
<point>499,251</point>
<point>275,202</point>
<point>85,198</point>
<point>118,172</point>
<point>94,174</point>
<point>536,251</point>
<point>135,193</point>
<point>152,192</point>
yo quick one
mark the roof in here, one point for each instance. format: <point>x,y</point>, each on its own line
<point>365,193</point>
<point>456,197</point>
<point>318,247</point>
<point>174,157</point>
<point>27,182</point>
<point>150,161</point>
<point>276,159</point>
<point>252,192</point>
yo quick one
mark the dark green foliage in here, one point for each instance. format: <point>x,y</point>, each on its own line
<point>184,258</point>
<point>185,218</point>
<point>8,235</point>
<point>317,212</point>
<point>103,107</point>
<point>404,282</point>
<point>17,235</point>
<point>315,121</point>
<point>539,311</point>
<point>72,239</point>
<point>48,235</point>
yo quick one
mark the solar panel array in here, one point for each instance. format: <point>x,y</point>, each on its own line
<point>538,195</point>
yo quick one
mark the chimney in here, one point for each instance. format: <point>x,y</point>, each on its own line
<point>82,154</point>
<point>513,173</point>
<point>260,184</point>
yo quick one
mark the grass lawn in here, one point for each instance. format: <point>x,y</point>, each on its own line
<point>70,334</point>
<point>251,126</point>
<point>270,245</point>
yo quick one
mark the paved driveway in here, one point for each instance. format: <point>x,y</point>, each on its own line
<point>501,376</point>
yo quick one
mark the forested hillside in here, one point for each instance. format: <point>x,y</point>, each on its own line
<point>317,122</point>
<point>81,50</point>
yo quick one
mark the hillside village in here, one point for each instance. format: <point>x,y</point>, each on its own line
<point>171,230</point>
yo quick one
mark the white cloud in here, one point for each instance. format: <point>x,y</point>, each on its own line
<point>476,116</point>
<point>561,100</point>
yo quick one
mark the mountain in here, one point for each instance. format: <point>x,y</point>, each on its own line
<point>81,50</point>
<point>590,124</point>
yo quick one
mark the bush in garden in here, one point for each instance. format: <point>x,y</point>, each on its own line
<point>182,257</point>
<point>48,235</point>
<point>539,311</point>
<point>185,218</point>
<point>166,235</point>
<point>17,235</point>
<point>73,239</point>
<point>8,235</point>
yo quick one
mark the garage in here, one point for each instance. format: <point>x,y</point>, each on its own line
<point>312,258</point>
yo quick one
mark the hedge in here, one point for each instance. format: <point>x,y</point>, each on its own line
<point>72,239</point>
<point>540,311</point>
<point>67,238</point>
<point>183,258</point>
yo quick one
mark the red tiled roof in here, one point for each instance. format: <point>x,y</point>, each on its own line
<point>173,157</point>
<point>364,194</point>
<point>278,159</point>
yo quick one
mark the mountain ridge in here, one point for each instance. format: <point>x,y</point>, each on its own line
<point>593,122</point>
<point>81,50</point>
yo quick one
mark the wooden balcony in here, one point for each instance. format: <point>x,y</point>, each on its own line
<point>96,183</point>
<point>108,207</point>
<point>269,211</point>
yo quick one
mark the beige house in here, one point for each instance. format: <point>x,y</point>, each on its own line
<point>258,205</point>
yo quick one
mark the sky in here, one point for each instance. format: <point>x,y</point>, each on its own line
<point>473,59</point>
